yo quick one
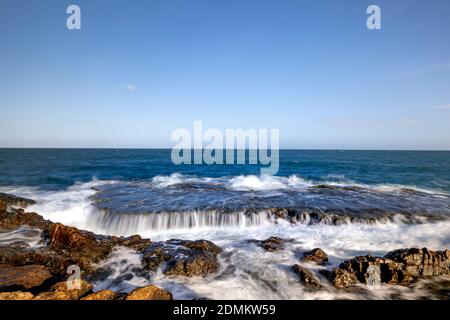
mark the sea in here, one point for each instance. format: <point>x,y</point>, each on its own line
<point>344,201</point>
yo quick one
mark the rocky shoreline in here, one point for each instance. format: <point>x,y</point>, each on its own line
<point>39,272</point>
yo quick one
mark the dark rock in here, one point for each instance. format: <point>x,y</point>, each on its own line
<point>421,262</point>
<point>185,258</point>
<point>316,255</point>
<point>16,218</point>
<point>9,199</point>
<point>196,264</point>
<point>270,244</point>
<point>307,277</point>
<point>27,277</point>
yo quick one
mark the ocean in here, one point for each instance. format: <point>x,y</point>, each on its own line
<point>345,202</point>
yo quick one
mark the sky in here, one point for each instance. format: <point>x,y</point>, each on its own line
<point>138,70</point>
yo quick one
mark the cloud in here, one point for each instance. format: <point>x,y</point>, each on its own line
<point>130,87</point>
<point>427,69</point>
<point>443,107</point>
<point>351,122</point>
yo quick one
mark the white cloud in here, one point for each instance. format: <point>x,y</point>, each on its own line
<point>442,107</point>
<point>427,69</point>
<point>130,87</point>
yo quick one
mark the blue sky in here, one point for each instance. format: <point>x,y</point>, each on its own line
<point>137,70</point>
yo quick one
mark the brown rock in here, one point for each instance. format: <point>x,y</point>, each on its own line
<point>9,199</point>
<point>80,288</point>
<point>421,262</point>
<point>18,295</point>
<point>53,295</point>
<point>307,277</point>
<point>101,295</point>
<point>342,278</point>
<point>316,255</point>
<point>62,236</point>
<point>270,244</point>
<point>23,277</point>
<point>149,293</point>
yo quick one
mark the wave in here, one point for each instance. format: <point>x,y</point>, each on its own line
<point>293,182</point>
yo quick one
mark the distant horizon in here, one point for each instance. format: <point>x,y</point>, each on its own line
<point>169,148</point>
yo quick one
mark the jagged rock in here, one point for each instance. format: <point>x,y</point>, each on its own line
<point>134,242</point>
<point>341,278</point>
<point>16,218</point>
<point>197,264</point>
<point>73,289</point>
<point>307,277</point>
<point>184,258</point>
<point>17,295</point>
<point>150,292</point>
<point>9,199</point>
<point>401,266</point>
<point>421,262</point>
<point>270,244</point>
<point>101,295</point>
<point>316,255</point>
<point>27,277</point>
<point>61,291</point>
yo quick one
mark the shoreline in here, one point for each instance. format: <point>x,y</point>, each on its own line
<point>61,246</point>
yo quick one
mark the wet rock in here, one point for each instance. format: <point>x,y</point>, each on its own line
<point>27,277</point>
<point>184,258</point>
<point>9,199</point>
<point>341,278</point>
<point>149,293</point>
<point>307,277</point>
<point>101,295</point>
<point>17,295</point>
<point>400,266</point>
<point>199,263</point>
<point>134,242</point>
<point>10,220</point>
<point>421,262</point>
<point>316,255</point>
<point>270,244</point>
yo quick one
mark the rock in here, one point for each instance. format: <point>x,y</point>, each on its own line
<point>203,245</point>
<point>134,242</point>
<point>18,295</point>
<point>62,236</point>
<point>183,258</point>
<point>421,262</point>
<point>307,277</point>
<point>316,255</point>
<point>400,266</point>
<point>197,264</point>
<point>342,278</point>
<point>16,218</point>
<point>101,295</point>
<point>79,288</point>
<point>9,199</point>
<point>270,244</point>
<point>149,293</point>
<point>27,277</point>
<point>53,295</point>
